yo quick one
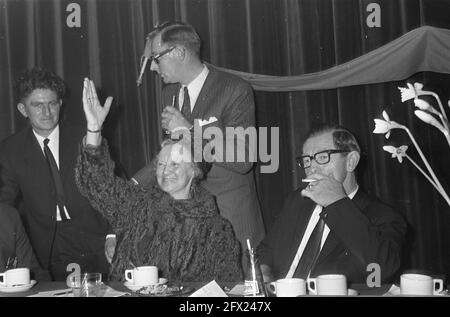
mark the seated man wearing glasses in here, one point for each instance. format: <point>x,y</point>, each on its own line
<point>332,226</point>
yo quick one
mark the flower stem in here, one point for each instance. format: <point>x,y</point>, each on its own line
<point>423,172</point>
<point>440,104</point>
<point>442,114</point>
<point>446,130</point>
<point>447,136</point>
<point>430,170</point>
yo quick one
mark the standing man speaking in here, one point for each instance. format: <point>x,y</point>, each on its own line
<point>200,92</point>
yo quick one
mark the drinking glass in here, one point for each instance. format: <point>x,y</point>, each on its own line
<point>86,285</point>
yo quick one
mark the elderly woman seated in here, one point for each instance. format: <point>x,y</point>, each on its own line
<point>175,225</point>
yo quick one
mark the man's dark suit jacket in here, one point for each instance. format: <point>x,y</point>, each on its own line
<point>362,231</point>
<point>230,100</point>
<point>25,175</point>
<point>14,243</point>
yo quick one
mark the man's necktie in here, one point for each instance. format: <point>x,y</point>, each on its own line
<point>60,196</point>
<point>311,252</point>
<point>186,108</point>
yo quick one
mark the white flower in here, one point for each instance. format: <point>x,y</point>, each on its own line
<point>383,126</point>
<point>397,152</point>
<point>423,105</point>
<point>429,115</point>
<point>410,92</point>
<point>428,118</point>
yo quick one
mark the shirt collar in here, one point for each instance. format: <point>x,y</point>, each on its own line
<point>196,85</point>
<point>353,193</point>
<point>53,137</point>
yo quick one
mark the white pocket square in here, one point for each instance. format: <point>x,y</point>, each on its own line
<point>205,122</point>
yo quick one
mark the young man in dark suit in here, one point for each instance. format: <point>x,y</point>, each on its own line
<point>204,96</point>
<point>37,167</point>
<point>332,226</point>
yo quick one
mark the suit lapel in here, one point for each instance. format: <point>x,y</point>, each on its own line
<point>204,98</point>
<point>36,167</point>
<point>361,200</point>
<point>304,214</point>
<point>33,156</point>
<point>332,241</point>
<point>329,246</point>
<point>203,103</point>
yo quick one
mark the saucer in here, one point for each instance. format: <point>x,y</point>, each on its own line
<point>397,292</point>
<point>18,288</point>
<point>352,292</point>
<point>134,288</point>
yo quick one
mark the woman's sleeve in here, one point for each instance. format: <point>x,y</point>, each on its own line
<point>112,196</point>
<point>227,253</point>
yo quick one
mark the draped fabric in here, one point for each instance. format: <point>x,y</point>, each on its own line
<point>313,40</point>
<point>422,49</point>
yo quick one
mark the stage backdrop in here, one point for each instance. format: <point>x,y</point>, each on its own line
<point>104,39</point>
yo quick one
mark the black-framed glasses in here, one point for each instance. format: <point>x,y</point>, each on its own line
<point>322,157</point>
<point>158,56</point>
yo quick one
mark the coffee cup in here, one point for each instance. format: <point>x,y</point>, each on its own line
<point>142,275</point>
<point>288,287</point>
<point>14,277</point>
<point>328,284</point>
<point>420,284</point>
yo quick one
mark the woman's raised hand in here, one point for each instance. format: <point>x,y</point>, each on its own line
<point>95,113</point>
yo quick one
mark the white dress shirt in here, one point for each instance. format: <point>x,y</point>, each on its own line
<point>194,88</point>
<point>53,145</point>
<point>309,229</point>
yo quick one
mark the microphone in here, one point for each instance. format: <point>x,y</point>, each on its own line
<point>144,60</point>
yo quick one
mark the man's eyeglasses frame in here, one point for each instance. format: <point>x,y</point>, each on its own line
<point>300,161</point>
<point>158,56</point>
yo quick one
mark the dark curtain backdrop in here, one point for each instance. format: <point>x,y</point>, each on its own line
<point>273,37</point>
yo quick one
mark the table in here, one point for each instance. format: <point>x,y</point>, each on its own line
<point>362,289</point>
